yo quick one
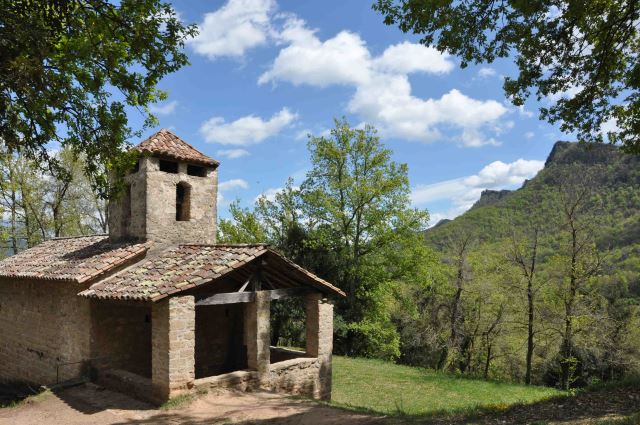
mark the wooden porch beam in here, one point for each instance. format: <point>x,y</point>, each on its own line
<point>250,296</point>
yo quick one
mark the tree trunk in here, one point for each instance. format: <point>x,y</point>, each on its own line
<point>566,350</point>
<point>487,363</point>
<point>527,377</point>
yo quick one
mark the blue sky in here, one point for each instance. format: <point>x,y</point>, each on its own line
<point>263,74</point>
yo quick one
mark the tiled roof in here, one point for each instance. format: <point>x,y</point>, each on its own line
<point>77,260</point>
<point>166,144</point>
<point>187,266</point>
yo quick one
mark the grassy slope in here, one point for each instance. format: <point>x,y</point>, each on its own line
<point>387,388</point>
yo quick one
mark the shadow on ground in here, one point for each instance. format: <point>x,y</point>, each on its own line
<point>90,399</point>
<point>90,404</point>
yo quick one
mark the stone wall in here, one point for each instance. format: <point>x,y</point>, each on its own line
<point>320,338</point>
<point>127,213</point>
<point>173,346</point>
<point>257,336</point>
<point>121,336</point>
<point>299,376</point>
<point>42,324</point>
<point>153,206</point>
<point>161,205</point>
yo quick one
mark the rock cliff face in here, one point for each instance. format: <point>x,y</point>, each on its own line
<point>491,197</point>
<point>591,154</point>
<point>616,187</point>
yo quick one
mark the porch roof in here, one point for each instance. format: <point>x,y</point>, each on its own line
<point>188,266</point>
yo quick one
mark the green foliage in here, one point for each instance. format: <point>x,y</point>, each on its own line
<point>586,301</point>
<point>558,47</point>
<point>39,205</point>
<point>374,339</point>
<point>244,226</point>
<point>70,69</point>
<point>349,222</point>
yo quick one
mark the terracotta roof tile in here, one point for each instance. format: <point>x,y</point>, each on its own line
<point>77,260</point>
<point>166,144</point>
<point>187,266</point>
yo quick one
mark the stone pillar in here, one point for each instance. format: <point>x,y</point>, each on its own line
<point>173,325</point>
<point>257,334</point>
<point>320,339</point>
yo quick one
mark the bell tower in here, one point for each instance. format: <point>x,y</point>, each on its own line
<point>170,197</point>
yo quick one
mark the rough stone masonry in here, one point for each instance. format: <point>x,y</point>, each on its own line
<point>157,308</point>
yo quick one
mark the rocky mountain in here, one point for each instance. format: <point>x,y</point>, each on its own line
<point>614,178</point>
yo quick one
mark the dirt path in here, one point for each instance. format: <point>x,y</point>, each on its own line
<point>92,405</point>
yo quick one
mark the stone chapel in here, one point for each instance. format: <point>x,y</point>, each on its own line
<point>156,308</point>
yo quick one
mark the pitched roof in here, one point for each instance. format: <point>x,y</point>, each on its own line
<point>78,260</point>
<point>188,266</point>
<point>166,144</point>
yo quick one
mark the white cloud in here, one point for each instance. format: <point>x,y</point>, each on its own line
<point>269,194</point>
<point>343,59</point>
<point>233,184</point>
<point>464,192</point>
<point>166,109</point>
<point>609,126</point>
<point>473,138</point>
<point>529,134</point>
<point>405,58</point>
<point>232,153</point>
<point>498,173</point>
<point>486,72</point>
<point>524,112</point>
<point>302,134</point>
<point>230,185</point>
<point>245,131</point>
<point>388,102</point>
<point>383,92</point>
<point>237,26</point>
<point>569,93</point>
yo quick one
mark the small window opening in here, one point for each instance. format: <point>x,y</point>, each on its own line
<point>195,170</point>
<point>169,166</point>
<point>136,168</point>
<point>183,202</point>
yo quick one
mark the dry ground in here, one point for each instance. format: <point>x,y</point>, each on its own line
<point>92,405</point>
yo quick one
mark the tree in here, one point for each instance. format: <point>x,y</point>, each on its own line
<point>583,53</point>
<point>524,254</point>
<point>70,68</point>
<point>579,264</point>
<point>243,227</point>
<point>349,222</point>
<point>41,205</point>
<point>359,198</point>
<point>459,246</point>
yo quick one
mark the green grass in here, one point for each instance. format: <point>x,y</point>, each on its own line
<point>386,388</point>
<point>178,402</point>
<point>29,399</point>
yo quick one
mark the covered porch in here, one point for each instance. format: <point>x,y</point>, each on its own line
<point>216,333</point>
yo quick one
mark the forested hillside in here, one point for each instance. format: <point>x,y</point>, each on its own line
<point>546,276</point>
<point>539,285</point>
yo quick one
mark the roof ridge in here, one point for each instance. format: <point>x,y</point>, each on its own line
<point>166,142</point>
<point>242,245</point>
<point>166,130</point>
<point>58,238</point>
<point>232,245</point>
